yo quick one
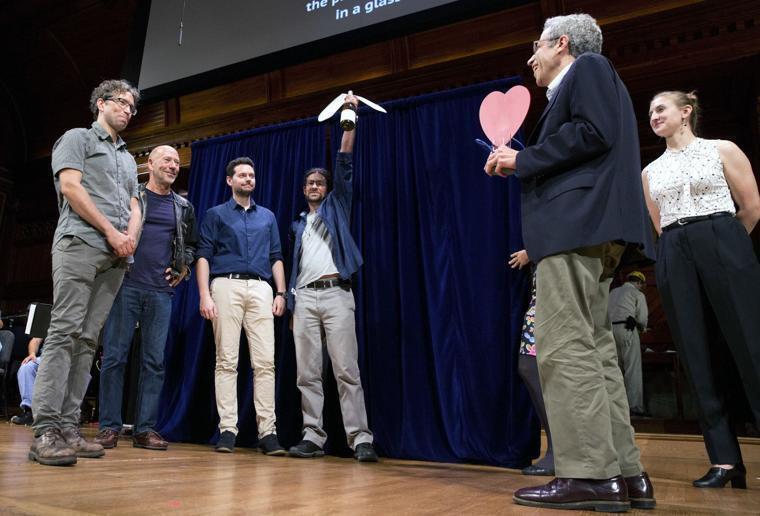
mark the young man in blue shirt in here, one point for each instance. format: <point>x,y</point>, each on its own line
<point>325,257</point>
<point>239,251</point>
<point>165,251</point>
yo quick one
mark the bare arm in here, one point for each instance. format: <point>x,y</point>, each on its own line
<point>654,210</point>
<point>278,271</point>
<point>81,203</point>
<point>741,181</point>
<point>207,307</point>
<point>32,348</point>
<point>135,219</point>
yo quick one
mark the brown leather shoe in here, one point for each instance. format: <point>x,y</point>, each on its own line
<point>150,441</point>
<point>51,449</point>
<point>609,495</point>
<point>107,437</point>
<point>82,447</point>
<point>640,491</point>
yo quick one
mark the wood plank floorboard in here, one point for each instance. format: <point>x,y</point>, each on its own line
<point>193,479</point>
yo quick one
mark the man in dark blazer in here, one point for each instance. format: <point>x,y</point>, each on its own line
<point>582,206</point>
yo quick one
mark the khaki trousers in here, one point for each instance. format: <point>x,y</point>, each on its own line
<point>245,304</point>
<point>331,309</point>
<point>580,378</point>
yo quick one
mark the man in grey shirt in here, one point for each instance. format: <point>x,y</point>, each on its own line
<point>96,183</point>
<point>628,312</point>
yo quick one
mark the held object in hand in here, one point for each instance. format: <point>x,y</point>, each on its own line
<point>348,113</point>
<point>502,114</point>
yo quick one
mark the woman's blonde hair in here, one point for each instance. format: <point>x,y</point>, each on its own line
<point>682,99</point>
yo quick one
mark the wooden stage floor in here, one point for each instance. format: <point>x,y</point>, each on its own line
<point>193,479</point>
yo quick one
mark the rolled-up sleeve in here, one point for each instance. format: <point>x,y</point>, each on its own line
<point>206,237</point>
<point>275,249</point>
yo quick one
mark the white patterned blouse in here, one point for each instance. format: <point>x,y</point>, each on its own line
<point>689,182</point>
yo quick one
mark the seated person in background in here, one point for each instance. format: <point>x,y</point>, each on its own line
<point>26,375</point>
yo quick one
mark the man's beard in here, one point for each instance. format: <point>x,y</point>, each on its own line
<point>239,192</point>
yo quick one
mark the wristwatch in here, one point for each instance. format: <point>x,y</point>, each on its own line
<point>284,295</point>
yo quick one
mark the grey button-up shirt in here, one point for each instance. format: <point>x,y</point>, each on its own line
<point>109,174</point>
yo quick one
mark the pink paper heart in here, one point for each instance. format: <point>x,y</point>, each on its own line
<point>502,114</point>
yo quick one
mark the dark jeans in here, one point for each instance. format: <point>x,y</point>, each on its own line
<point>152,310</point>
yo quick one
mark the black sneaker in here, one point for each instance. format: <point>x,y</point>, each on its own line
<point>226,443</point>
<point>269,445</point>
<point>364,452</point>
<point>24,419</point>
<point>306,449</point>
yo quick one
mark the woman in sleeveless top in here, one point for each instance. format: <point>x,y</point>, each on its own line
<point>703,201</point>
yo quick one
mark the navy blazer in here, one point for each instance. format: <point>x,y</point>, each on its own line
<point>581,171</point>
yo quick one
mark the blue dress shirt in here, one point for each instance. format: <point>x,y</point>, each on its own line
<point>239,241</point>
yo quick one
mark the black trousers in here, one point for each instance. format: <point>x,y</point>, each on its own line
<point>707,271</point>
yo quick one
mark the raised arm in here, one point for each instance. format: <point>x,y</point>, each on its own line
<point>347,141</point>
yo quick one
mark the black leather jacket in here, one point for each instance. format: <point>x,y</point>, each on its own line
<point>185,237</point>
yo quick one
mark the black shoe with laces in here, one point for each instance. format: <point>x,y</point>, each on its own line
<point>226,443</point>
<point>306,449</point>
<point>364,452</point>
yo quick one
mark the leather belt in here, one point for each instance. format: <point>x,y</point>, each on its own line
<point>329,283</point>
<point>690,220</point>
<point>235,275</point>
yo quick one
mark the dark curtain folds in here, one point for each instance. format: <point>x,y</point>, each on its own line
<point>438,311</point>
<point>188,408</point>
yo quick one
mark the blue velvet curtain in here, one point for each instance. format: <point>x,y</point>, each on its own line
<point>438,311</point>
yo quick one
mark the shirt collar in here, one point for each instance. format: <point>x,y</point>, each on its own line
<point>233,205</point>
<point>552,88</point>
<point>103,135</point>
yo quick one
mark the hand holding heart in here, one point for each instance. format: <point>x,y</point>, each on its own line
<point>502,162</point>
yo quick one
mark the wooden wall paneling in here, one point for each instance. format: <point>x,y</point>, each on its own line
<point>400,55</point>
<point>274,87</point>
<point>339,70</point>
<point>551,8</point>
<point>496,31</point>
<point>229,98</point>
<point>142,159</point>
<point>612,12</point>
<point>151,119</point>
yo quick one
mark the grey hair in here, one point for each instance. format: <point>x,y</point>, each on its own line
<point>581,29</point>
<point>109,88</point>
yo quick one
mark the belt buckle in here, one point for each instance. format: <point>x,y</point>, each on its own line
<point>681,222</point>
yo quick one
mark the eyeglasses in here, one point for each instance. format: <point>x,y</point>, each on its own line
<point>536,44</point>
<point>318,184</point>
<point>123,104</point>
